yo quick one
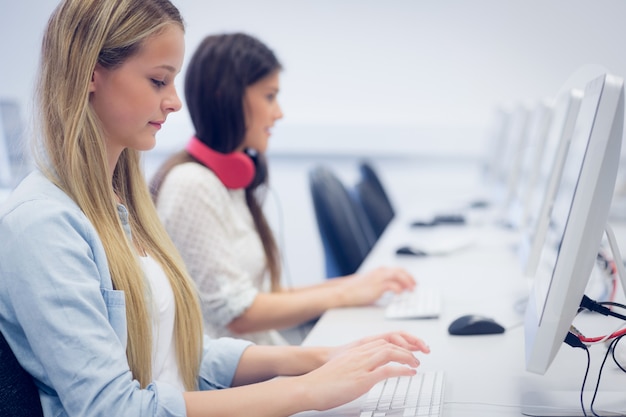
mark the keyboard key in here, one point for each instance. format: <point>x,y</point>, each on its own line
<point>409,396</point>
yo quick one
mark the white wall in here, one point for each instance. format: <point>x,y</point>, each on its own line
<point>385,79</point>
<point>394,73</point>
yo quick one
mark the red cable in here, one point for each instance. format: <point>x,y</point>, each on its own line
<point>599,338</point>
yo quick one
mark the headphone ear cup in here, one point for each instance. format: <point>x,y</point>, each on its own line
<point>235,170</point>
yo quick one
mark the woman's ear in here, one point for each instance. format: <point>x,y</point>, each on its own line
<point>94,75</point>
<point>92,84</point>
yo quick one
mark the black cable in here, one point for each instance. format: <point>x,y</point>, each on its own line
<point>595,392</point>
<point>582,388</point>
<point>574,341</point>
<point>612,304</point>
<point>612,347</point>
<point>591,305</point>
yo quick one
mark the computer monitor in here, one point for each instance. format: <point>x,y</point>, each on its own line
<point>512,157</point>
<point>539,202</point>
<point>533,163</point>
<point>580,218</point>
<point>496,141</point>
<point>529,162</point>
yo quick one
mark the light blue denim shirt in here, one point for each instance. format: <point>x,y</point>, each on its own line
<point>65,322</point>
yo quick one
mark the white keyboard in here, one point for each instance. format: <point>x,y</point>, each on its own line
<point>421,303</point>
<point>407,396</point>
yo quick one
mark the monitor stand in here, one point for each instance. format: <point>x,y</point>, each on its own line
<point>553,403</point>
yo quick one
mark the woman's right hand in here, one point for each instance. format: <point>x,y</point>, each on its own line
<point>353,371</point>
<point>366,288</point>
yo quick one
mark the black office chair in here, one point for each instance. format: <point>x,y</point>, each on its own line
<point>346,234</point>
<point>18,394</point>
<point>374,198</point>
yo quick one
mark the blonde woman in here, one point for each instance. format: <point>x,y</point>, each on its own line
<point>94,300</point>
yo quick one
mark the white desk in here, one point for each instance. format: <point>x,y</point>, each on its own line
<point>485,375</point>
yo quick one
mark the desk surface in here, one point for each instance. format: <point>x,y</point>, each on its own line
<point>485,375</point>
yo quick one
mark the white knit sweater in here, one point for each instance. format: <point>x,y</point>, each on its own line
<point>214,231</point>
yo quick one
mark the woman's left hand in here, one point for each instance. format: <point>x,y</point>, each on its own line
<point>399,338</point>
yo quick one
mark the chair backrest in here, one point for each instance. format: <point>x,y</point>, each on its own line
<point>374,198</point>
<point>346,234</point>
<point>18,394</point>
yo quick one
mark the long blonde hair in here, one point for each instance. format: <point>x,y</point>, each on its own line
<point>81,34</point>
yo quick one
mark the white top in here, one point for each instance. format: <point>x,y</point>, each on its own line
<point>214,231</point>
<point>163,312</point>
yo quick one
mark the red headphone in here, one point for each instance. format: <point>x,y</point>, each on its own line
<point>235,170</point>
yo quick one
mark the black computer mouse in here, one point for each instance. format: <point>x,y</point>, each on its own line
<point>473,324</point>
<point>408,250</point>
<point>440,219</point>
<point>449,219</point>
<point>422,223</point>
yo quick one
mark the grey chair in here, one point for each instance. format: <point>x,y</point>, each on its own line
<point>18,394</point>
<point>374,199</point>
<point>346,234</point>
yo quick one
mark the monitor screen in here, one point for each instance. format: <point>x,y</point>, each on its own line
<point>578,221</point>
<point>539,201</point>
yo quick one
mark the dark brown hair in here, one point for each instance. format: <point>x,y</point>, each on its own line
<point>219,72</point>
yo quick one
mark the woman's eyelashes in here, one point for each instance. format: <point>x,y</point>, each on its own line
<point>158,83</point>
